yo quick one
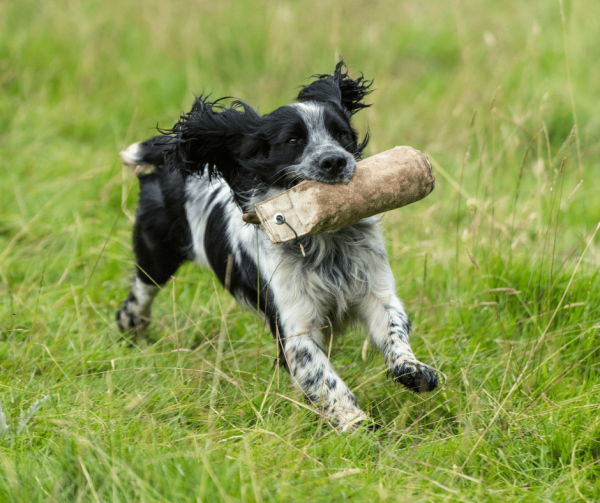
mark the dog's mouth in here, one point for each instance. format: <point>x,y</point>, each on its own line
<point>344,177</point>
<point>317,174</point>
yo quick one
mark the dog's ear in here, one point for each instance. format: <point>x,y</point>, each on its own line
<point>208,139</point>
<point>338,88</point>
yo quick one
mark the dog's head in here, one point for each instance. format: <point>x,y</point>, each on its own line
<point>259,156</point>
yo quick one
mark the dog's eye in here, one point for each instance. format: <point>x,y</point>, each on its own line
<point>292,141</point>
<point>341,135</point>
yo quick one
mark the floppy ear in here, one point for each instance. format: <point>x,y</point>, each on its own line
<point>209,138</point>
<point>338,88</point>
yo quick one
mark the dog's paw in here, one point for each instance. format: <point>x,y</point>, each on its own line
<point>363,423</point>
<point>128,320</point>
<point>415,375</point>
<point>351,424</point>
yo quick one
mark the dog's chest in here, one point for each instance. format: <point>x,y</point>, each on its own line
<point>335,273</point>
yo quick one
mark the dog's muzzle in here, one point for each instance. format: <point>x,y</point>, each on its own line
<point>336,167</point>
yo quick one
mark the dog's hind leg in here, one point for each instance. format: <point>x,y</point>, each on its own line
<point>157,259</point>
<point>136,312</point>
<point>160,241</point>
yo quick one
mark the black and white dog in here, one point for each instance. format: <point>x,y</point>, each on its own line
<point>214,165</point>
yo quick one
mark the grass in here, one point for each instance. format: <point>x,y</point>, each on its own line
<point>498,267</point>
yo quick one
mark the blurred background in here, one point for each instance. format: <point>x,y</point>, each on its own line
<point>503,98</point>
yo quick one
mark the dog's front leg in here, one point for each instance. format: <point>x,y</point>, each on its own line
<point>313,374</point>
<point>389,328</point>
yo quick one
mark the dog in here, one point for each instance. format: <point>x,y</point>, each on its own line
<point>213,166</point>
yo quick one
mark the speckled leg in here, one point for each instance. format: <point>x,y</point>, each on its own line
<point>312,372</point>
<point>389,328</point>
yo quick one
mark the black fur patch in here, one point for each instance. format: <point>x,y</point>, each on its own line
<point>161,235</point>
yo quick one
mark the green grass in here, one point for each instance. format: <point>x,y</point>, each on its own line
<point>196,412</point>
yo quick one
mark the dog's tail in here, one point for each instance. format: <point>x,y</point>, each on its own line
<point>144,157</point>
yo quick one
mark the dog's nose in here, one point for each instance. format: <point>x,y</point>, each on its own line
<point>332,163</point>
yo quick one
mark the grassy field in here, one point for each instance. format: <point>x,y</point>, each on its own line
<point>499,267</point>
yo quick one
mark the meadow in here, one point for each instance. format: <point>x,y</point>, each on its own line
<point>498,267</point>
